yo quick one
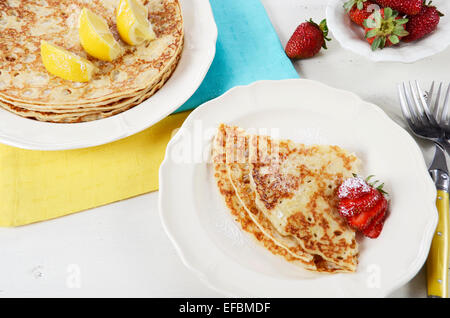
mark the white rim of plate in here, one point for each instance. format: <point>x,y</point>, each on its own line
<point>135,119</point>
<point>429,229</point>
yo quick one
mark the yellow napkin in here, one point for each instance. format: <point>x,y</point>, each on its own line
<point>41,185</point>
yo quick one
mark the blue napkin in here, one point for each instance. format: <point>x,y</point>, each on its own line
<point>248,50</point>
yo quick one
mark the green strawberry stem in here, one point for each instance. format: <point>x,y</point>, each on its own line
<point>384,28</point>
<point>351,3</point>
<point>372,184</point>
<point>324,28</point>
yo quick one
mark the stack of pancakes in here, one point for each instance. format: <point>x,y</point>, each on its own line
<point>28,90</point>
<point>284,194</point>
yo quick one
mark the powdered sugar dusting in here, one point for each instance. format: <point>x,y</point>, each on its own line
<point>352,184</point>
<point>348,209</point>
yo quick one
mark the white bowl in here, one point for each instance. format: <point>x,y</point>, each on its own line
<point>210,243</point>
<point>351,36</point>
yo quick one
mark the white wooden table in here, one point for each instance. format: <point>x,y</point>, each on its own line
<point>121,249</point>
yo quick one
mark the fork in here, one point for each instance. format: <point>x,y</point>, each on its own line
<point>421,120</point>
<point>433,126</point>
<point>440,113</point>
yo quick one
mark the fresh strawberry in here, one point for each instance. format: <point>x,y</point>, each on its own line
<point>350,207</point>
<point>362,220</point>
<point>307,40</point>
<point>358,10</point>
<point>375,227</point>
<point>409,7</point>
<point>384,28</point>
<point>363,204</point>
<point>422,24</point>
<point>374,232</point>
<point>353,188</point>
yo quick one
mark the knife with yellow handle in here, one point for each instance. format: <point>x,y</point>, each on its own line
<point>438,258</point>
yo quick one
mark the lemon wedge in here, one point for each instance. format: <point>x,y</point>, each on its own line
<point>96,38</point>
<point>132,22</point>
<point>65,64</point>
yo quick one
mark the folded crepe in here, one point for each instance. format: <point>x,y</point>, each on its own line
<point>285,192</point>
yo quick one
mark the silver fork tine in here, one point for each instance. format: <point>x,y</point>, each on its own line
<point>409,103</point>
<point>430,96</point>
<point>444,115</point>
<point>415,102</point>
<point>425,105</point>
<point>422,116</point>
<point>436,103</point>
<point>404,106</point>
<point>403,102</point>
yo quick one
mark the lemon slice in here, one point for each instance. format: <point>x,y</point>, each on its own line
<point>95,37</point>
<point>65,64</point>
<point>132,22</point>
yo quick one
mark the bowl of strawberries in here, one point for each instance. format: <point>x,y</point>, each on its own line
<point>391,30</point>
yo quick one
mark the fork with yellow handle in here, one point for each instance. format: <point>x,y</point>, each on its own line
<point>438,258</point>
<point>431,123</point>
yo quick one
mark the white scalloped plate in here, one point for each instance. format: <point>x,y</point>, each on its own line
<point>198,53</point>
<point>213,246</point>
<point>351,36</point>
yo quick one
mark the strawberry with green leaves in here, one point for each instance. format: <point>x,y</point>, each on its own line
<point>363,205</point>
<point>358,10</point>
<point>384,28</point>
<point>307,40</point>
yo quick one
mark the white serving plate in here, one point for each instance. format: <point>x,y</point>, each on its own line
<point>351,36</point>
<point>228,260</point>
<point>198,54</point>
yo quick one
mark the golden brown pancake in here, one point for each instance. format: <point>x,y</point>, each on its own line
<point>280,183</point>
<point>87,114</point>
<point>25,84</point>
<point>244,220</point>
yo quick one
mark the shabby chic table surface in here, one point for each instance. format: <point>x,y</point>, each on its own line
<point>121,250</point>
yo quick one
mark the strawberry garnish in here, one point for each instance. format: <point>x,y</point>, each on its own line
<point>362,220</point>
<point>353,188</point>
<point>350,207</point>
<point>307,40</point>
<point>363,204</point>
<point>409,7</point>
<point>423,24</point>
<point>384,28</point>
<point>358,10</point>
<point>373,230</point>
